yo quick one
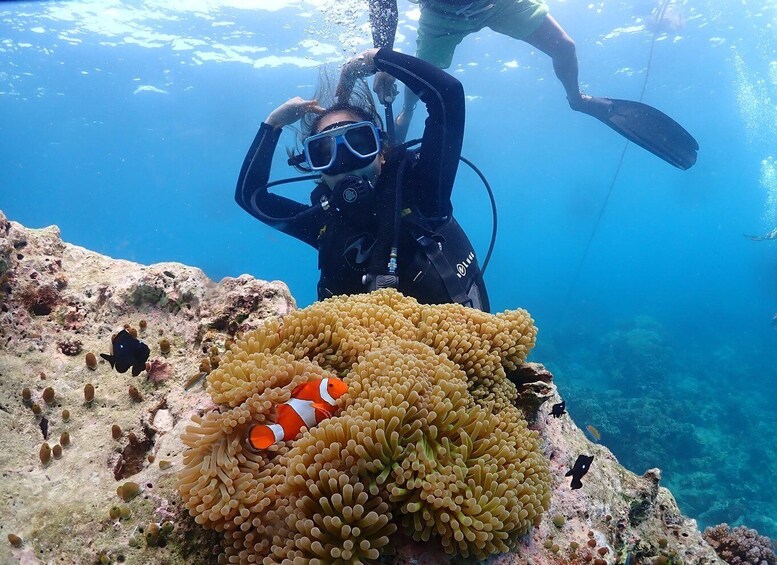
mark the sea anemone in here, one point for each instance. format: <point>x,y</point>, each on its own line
<point>427,440</point>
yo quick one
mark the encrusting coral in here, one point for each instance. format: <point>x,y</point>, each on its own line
<point>427,438</point>
<point>741,545</point>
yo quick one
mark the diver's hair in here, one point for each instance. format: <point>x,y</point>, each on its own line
<point>360,112</point>
<point>360,103</point>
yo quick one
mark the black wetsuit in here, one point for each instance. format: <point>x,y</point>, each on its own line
<point>436,261</point>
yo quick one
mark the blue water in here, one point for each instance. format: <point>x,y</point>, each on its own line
<point>125,123</point>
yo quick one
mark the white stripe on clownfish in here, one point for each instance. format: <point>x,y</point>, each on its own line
<point>324,392</point>
<point>304,409</point>
<point>277,431</point>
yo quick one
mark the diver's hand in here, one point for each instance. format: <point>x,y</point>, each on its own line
<point>363,65</point>
<point>291,111</point>
<point>384,85</point>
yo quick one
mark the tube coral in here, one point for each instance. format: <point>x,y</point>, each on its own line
<point>427,439</point>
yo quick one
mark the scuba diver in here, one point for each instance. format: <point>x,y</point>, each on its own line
<point>767,236</point>
<point>445,23</point>
<point>380,215</point>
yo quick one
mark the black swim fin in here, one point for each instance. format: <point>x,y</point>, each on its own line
<point>646,126</point>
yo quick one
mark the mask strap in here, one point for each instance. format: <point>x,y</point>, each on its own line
<point>296,160</point>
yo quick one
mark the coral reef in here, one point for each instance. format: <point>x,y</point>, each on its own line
<point>741,545</point>
<point>637,353</point>
<point>618,416</point>
<point>69,511</point>
<point>708,444</point>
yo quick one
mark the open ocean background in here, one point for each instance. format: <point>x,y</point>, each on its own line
<point>125,124</point>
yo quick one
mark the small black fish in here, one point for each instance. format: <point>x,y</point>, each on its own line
<point>559,409</point>
<point>579,470</point>
<point>127,352</point>
<point>44,427</point>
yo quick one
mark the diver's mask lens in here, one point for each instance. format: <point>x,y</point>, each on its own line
<point>361,139</point>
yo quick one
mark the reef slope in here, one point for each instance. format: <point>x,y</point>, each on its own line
<point>59,302</point>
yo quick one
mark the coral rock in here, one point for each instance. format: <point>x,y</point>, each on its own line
<point>244,302</point>
<point>61,510</point>
<point>158,371</point>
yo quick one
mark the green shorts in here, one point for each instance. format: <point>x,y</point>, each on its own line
<point>442,26</point>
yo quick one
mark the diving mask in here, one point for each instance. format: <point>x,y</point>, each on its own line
<point>323,151</point>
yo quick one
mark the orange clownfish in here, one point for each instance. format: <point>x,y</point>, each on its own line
<point>310,403</point>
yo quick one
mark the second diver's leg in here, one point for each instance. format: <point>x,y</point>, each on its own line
<point>641,124</point>
<point>551,39</point>
<point>438,36</point>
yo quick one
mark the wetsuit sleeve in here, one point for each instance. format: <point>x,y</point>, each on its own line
<point>276,211</point>
<point>383,22</point>
<point>435,171</point>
